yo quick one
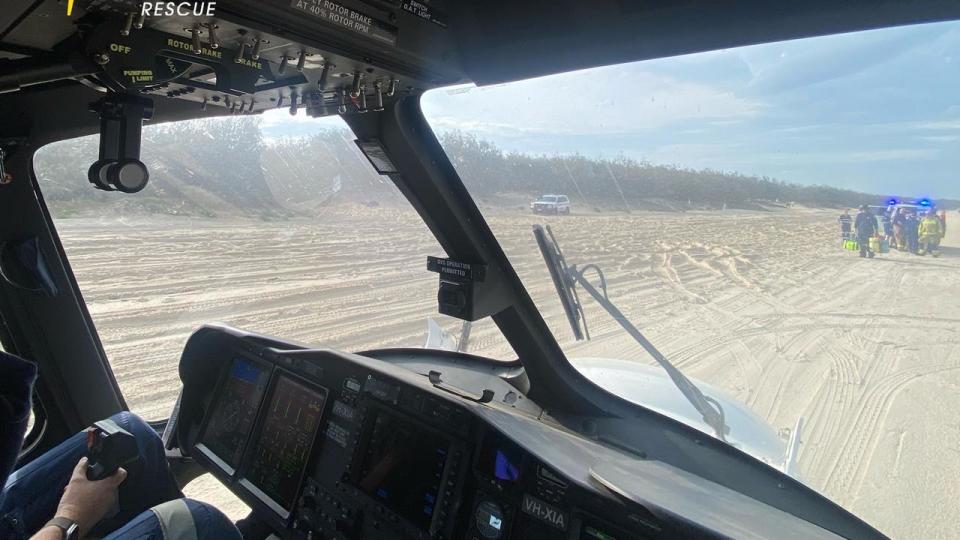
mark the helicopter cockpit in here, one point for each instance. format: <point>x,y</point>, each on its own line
<point>388,442</point>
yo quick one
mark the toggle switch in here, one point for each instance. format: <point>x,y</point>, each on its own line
<point>212,34</point>
<point>195,37</point>
<point>362,106</point>
<point>241,52</point>
<point>324,75</point>
<point>257,46</point>
<point>355,87</point>
<point>127,24</point>
<point>378,104</point>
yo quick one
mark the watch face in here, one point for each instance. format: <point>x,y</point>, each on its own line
<point>72,532</point>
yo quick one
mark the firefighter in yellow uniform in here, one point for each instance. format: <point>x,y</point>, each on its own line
<point>930,234</point>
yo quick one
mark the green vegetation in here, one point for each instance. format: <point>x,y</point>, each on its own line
<point>616,184</point>
<point>223,167</point>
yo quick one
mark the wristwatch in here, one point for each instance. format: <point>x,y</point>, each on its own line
<point>69,529</point>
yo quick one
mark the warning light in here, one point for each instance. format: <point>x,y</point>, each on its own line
<point>924,202</point>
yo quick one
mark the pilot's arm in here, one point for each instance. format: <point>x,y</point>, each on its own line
<point>83,502</point>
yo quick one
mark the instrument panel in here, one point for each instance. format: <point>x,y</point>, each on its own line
<point>329,445</point>
<point>322,447</point>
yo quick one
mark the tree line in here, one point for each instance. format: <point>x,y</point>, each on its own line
<point>225,167</point>
<point>624,183</point>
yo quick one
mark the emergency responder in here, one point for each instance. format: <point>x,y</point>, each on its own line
<point>846,223</point>
<point>929,234</point>
<point>866,225</point>
<point>899,229</point>
<point>886,217</point>
<point>911,225</point>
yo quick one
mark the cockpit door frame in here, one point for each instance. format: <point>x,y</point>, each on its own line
<point>75,382</point>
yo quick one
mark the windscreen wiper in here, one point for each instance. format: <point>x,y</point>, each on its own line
<point>566,278</point>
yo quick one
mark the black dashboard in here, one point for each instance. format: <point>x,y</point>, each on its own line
<point>329,445</point>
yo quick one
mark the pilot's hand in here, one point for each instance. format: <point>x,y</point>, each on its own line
<point>87,502</point>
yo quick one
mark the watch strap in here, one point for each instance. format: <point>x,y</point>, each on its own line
<point>70,529</point>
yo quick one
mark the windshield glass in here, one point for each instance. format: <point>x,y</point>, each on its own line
<point>719,194</point>
<point>297,238</point>
<point>272,224</point>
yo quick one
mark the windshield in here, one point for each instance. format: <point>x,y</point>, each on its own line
<point>719,195</point>
<point>272,224</point>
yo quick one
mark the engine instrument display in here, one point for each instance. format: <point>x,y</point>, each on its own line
<point>403,468</point>
<point>282,447</point>
<point>501,459</point>
<point>231,420</point>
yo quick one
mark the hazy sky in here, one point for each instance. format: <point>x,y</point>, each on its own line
<point>876,111</point>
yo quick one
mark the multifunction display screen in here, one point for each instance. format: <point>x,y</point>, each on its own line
<point>234,413</point>
<point>287,432</point>
<point>403,468</point>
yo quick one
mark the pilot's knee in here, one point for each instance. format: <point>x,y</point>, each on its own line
<point>179,519</point>
<point>137,427</point>
<point>187,518</point>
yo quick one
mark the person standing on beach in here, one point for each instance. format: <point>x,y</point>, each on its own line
<point>886,217</point>
<point>866,224</point>
<point>929,234</point>
<point>911,231</point>
<point>899,229</point>
<point>846,223</point>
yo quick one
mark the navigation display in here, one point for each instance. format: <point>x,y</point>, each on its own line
<point>282,447</point>
<point>234,413</point>
<point>500,458</point>
<point>403,468</point>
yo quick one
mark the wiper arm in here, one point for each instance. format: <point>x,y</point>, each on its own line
<point>566,278</point>
<point>566,287</point>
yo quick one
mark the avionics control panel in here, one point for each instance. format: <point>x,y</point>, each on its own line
<point>325,445</point>
<point>416,444</point>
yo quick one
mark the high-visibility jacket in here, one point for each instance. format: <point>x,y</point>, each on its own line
<point>930,227</point>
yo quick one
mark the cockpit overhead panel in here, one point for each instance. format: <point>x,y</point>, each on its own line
<point>320,56</point>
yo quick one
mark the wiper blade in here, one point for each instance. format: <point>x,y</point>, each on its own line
<point>566,278</point>
<point>566,288</point>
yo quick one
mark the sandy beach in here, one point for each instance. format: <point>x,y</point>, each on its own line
<point>762,304</point>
